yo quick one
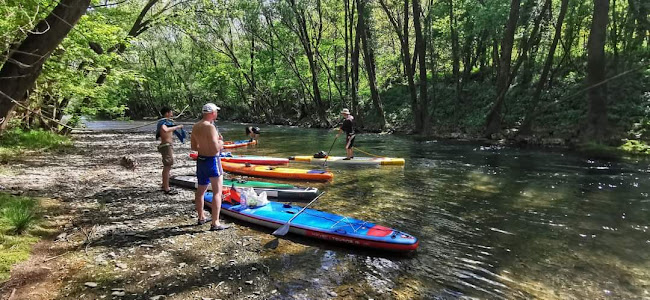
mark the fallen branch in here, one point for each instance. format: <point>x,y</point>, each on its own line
<point>57,256</point>
<point>11,297</point>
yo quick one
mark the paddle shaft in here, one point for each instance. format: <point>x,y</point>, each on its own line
<point>330,150</point>
<point>284,229</point>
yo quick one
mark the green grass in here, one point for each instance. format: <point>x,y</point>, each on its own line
<point>20,214</point>
<point>14,142</point>
<point>18,230</point>
<point>33,139</point>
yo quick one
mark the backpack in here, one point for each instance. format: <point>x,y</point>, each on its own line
<point>320,154</point>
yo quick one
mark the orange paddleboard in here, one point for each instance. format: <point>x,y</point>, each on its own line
<point>237,144</point>
<point>277,172</point>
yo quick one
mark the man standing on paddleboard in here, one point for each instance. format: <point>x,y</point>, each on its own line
<point>348,128</point>
<point>206,141</point>
<point>164,131</point>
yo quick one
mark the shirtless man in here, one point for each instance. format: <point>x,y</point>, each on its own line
<point>165,148</point>
<point>206,141</point>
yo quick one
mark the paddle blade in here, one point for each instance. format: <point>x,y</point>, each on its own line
<point>283,230</point>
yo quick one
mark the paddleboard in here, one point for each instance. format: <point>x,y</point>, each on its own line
<point>321,225</point>
<point>273,190</point>
<point>277,172</point>
<point>354,161</point>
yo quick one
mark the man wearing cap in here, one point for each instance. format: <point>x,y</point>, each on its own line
<point>348,128</point>
<point>205,140</point>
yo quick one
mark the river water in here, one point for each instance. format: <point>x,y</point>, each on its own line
<point>493,222</point>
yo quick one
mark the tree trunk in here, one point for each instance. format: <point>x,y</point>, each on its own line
<point>644,23</point>
<point>355,67</point>
<point>495,56</point>
<point>614,36</point>
<point>468,63</point>
<point>526,127</point>
<point>25,62</point>
<point>403,34</point>
<point>369,60</point>
<point>347,49</point>
<point>139,26</point>
<point>493,124</point>
<point>410,71</point>
<point>528,47</point>
<point>309,45</point>
<point>639,12</point>
<point>432,55</point>
<point>455,58</point>
<point>253,84</point>
<point>421,46</point>
<point>596,127</point>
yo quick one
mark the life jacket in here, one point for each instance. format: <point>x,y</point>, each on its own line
<point>231,195</point>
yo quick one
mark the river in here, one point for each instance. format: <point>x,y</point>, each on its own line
<point>493,222</point>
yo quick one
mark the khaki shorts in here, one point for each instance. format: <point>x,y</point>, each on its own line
<point>167,152</point>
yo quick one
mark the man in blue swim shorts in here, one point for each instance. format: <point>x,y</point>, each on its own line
<point>205,140</point>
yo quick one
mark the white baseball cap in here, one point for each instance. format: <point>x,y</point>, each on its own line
<point>210,107</point>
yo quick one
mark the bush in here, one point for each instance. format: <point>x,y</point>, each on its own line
<point>33,139</point>
<point>635,147</point>
<point>17,218</point>
<point>20,217</point>
<point>18,212</point>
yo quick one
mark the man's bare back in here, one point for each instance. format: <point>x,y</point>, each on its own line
<point>205,139</point>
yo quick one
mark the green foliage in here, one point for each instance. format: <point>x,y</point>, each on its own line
<point>14,142</point>
<point>18,17</point>
<point>33,140</point>
<point>635,147</point>
<point>249,57</point>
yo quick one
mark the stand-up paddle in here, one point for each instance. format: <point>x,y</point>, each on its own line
<point>284,229</point>
<point>328,152</point>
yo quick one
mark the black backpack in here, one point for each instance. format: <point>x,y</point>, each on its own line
<point>320,154</point>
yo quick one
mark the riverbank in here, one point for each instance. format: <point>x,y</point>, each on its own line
<point>121,237</point>
<point>494,222</point>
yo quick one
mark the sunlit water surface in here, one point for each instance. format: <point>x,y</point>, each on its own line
<point>493,222</point>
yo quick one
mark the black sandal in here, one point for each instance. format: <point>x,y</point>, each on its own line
<point>170,192</point>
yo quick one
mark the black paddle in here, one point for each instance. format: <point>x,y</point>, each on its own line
<point>328,152</point>
<point>284,229</point>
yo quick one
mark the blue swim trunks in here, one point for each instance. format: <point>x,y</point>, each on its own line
<point>206,167</point>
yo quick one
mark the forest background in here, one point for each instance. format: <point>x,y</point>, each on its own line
<point>573,70</point>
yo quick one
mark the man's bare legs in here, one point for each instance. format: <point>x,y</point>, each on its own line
<point>350,152</point>
<point>217,189</point>
<point>198,201</point>
<point>165,177</point>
